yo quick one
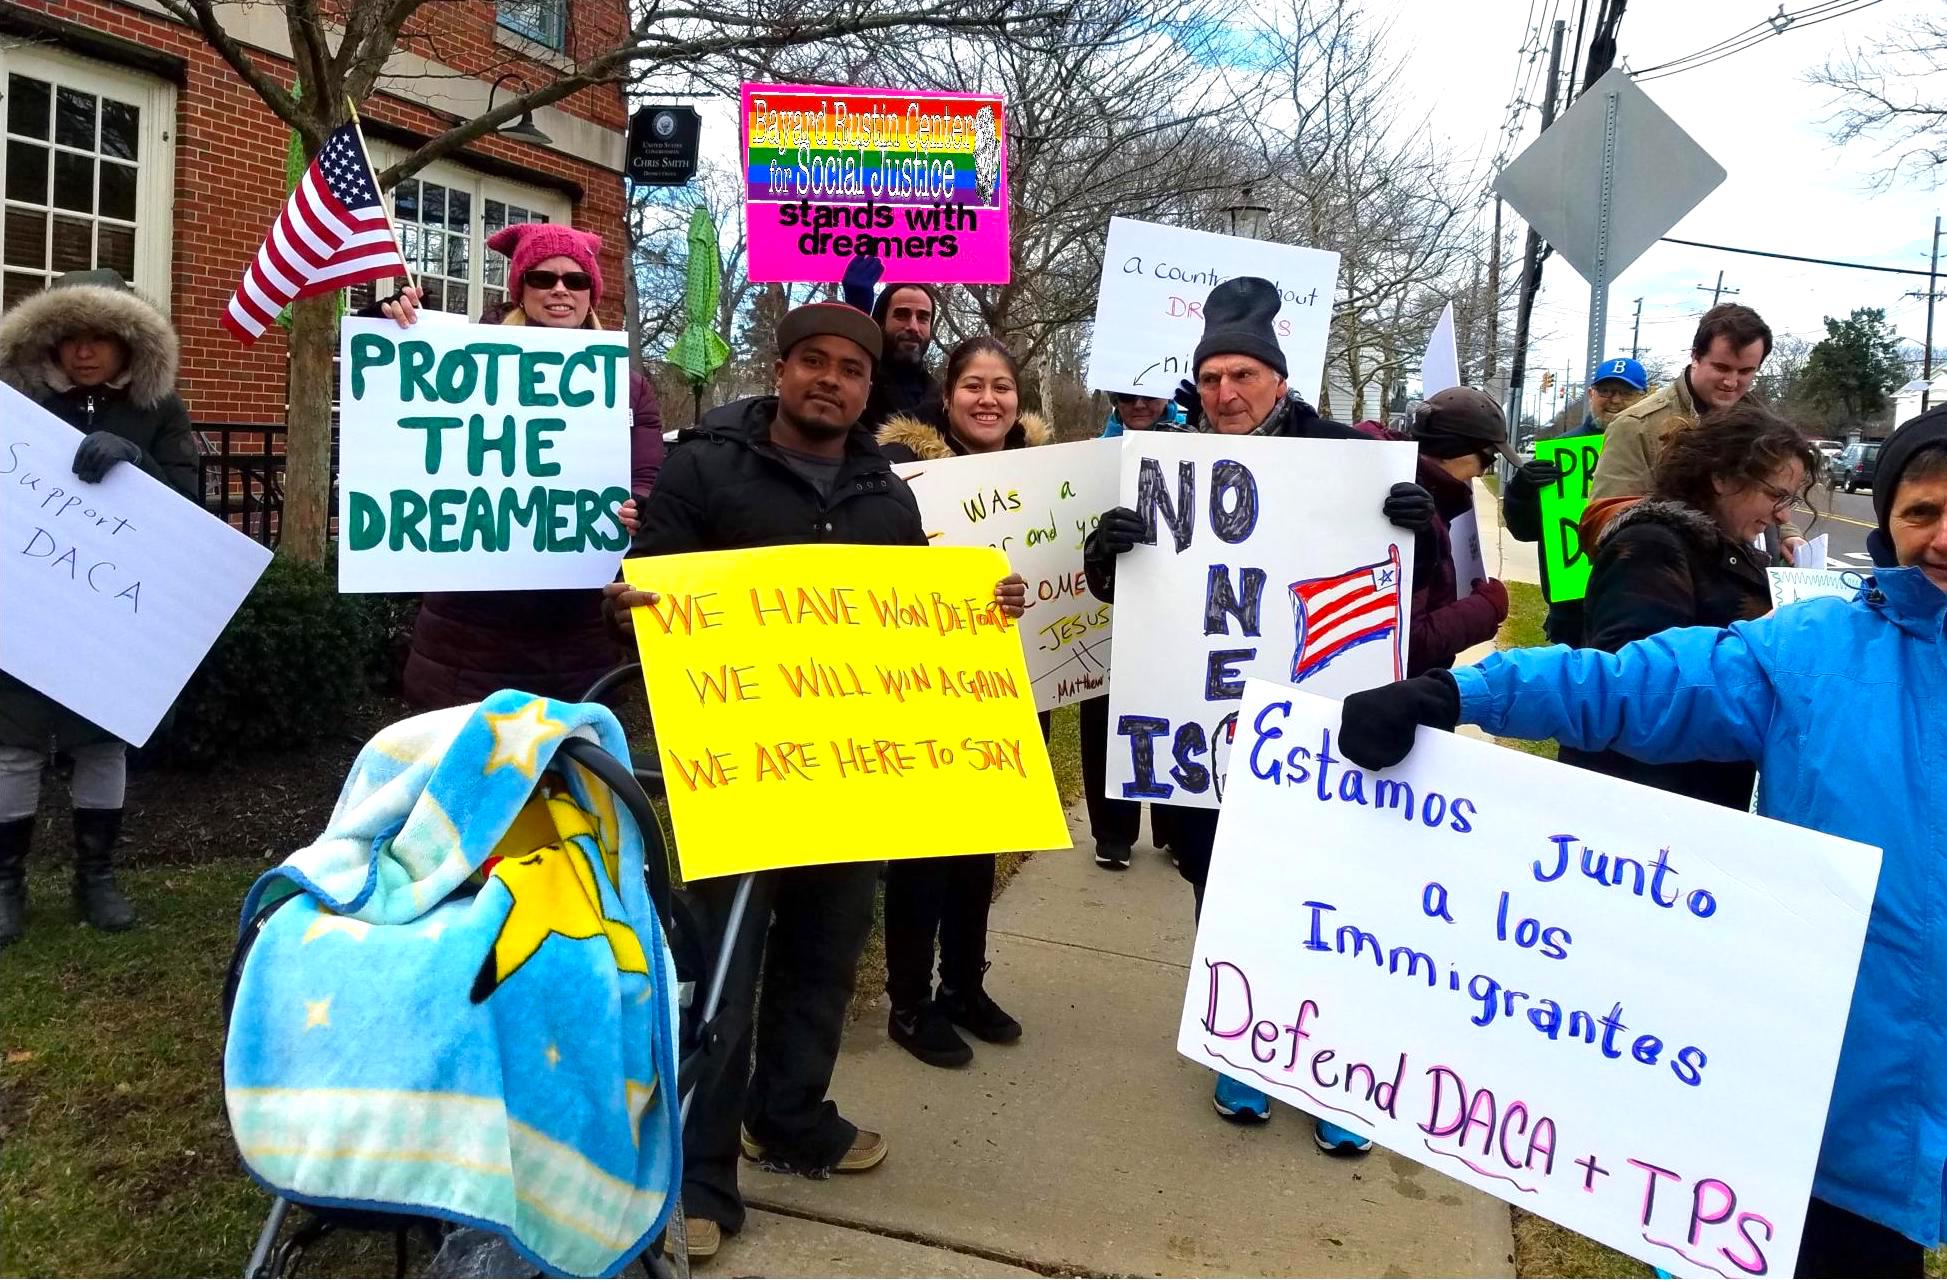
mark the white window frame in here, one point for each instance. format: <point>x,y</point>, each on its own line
<point>155,180</point>
<point>481,188</point>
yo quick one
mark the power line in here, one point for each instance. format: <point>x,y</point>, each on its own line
<point>1797,258</point>
<point>1758,33</point>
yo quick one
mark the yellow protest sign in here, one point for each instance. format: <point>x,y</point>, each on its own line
<point>829,703</point>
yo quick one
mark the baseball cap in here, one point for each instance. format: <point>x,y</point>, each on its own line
<point>835,319</point>
<point>1467,414</point>
<point>1622,370</point>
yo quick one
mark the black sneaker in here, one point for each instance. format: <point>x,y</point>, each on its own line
<point>929,1035</point>
<point>979,1015</point>
<point>1112,855</point>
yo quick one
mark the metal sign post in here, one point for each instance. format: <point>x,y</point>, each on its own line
<point>1599,280</point>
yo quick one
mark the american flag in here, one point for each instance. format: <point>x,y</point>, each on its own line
<point>333,233</point>
<point>1345,610</point>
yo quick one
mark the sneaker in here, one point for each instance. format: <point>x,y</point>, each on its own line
<point>1334,1139</point>
<point>1240,1102</point>
<point>868,1150</point>
<point>979,1015</point>
<point>927,1032</point>
<point>703,1238</point>
<point>1112,855</point>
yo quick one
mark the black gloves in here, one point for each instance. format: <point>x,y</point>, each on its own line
<point>1409,507</point>
<point>1538,474</point>
<point>1191,400</point>
<point>1119,530</point>
<point>1378,725</point>
<point>100,451</point>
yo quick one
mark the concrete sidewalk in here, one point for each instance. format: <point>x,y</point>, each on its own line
<point>1507,558</point>
<point>1090,1148</point>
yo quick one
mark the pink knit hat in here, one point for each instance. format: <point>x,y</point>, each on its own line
<point>530,243</point>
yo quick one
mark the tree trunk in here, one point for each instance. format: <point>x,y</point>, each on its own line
<point>304,535</point>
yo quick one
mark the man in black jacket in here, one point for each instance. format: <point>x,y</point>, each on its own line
<point>794,468</point>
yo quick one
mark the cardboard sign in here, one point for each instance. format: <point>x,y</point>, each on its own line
<point>1440,367</point>
<point>1265,557</point>
<point>1616,1007</point>
<point>477,457</point>
<point>917,179</point>
<point>1565,563</point>
<point>1464,537</point>
<point>1037,507</point>
<point>831,703</point>
<point>1790,584</point>
<point>111,593</point>
<point>1149,310</point>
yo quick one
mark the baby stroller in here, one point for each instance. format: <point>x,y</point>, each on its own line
<point>467,1251</point>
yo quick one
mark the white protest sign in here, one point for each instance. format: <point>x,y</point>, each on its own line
<point>477,457</point>
<point>1618,1008</point>
<point>1267,557</point>
<point>1037,506</point>
<point>111,593</point>
<point>1790,584</point>
<point>1812,554</point>
<point>1149,309</point>
<point>1440,367</point>
<point>1464,536</point>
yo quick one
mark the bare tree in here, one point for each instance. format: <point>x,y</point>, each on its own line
<point>340,51</point>
<point>1893,94</point>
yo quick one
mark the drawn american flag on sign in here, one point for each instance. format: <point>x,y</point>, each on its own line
<point>1345,610</point>
<point>332,233</point>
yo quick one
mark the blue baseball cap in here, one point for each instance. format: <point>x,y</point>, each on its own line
<point>1623,370</point>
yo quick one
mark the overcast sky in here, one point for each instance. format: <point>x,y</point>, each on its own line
<point>1789,188</point>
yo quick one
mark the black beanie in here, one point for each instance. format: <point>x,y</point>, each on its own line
<point>1240,319</point>
<point>1913,436</point>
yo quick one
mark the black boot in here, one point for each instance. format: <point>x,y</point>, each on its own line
<point>101,902</point>
<point>15,837</point>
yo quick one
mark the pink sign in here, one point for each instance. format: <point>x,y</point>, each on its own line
<point>918,179</point>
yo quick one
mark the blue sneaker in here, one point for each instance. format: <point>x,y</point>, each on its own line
<point>1240,1102</point>
<point>1334,1139</point>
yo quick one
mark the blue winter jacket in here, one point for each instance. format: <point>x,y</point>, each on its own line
<point>1172,418</point>
<point>1843,705</point>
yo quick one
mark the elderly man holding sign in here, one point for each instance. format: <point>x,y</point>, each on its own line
<point>1242,390</point>
<point>1839,704</point>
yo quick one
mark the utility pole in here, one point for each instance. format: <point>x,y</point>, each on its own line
<point>1636,332</point>
<point>1718,291</point>
<point>1531,259</point>
<point>1933,292</point>
<point>1494,307</point>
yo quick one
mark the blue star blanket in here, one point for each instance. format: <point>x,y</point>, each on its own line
<point>463,1006</point>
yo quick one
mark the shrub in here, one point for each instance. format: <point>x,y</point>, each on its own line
<point>290,668</point>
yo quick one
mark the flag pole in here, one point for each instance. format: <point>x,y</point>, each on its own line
<point>365,153</point>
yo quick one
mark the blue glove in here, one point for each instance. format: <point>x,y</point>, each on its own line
<point>100,451</point>
<point>1191,401</point>
<point>861,278</point>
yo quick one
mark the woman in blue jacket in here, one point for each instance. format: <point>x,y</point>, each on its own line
<point>1841,705</point>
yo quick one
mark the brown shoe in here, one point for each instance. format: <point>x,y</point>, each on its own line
<point>703,1237</point>
<point>867,1152</point>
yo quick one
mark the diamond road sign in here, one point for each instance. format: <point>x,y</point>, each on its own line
<point>1660,175</point>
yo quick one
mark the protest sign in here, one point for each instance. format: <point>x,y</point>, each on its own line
<point>1565,563</point>
<point>830,703</point>
<point>1464,538</point>
<point>1440,367</point>
<point>1791,583</point>
<point>1813,553</point>
<point>477,457</point>
<point>1616,1007</point>
<point>1037,507</point>
<point>110,593</point>
<point>917,179</point>
<point>1264,557</point>
<point>1149,308</point>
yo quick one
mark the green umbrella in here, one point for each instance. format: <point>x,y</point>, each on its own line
<point>699,349</point>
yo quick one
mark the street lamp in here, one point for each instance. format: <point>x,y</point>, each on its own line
<point>526,130</point>
<point>1250,221</point>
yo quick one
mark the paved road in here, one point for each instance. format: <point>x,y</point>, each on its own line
<point>1847,519</point>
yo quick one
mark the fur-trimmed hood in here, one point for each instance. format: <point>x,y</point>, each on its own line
<point>928,440</point>
<point>1693,525</point>
<point>30,330</point>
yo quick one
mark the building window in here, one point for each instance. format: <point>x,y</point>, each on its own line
<point>542,21</point>
<point>86,175</point>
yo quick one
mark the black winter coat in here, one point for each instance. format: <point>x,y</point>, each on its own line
<point>726,486</point>
<point>1661,565</point>
<point>898,388</point>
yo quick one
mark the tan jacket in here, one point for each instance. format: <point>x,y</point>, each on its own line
<point>1634,442</point>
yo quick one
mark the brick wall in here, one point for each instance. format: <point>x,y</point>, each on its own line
<point>229,180</point>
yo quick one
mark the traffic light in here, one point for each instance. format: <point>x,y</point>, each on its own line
<point>1547,380</point>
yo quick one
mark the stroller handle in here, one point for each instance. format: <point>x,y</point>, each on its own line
<point>623,783</point>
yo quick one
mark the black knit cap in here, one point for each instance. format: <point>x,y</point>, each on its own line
<point>1240,319</point>
<point>1913,436</point>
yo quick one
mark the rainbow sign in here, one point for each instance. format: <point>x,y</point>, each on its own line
<point>918,179</point>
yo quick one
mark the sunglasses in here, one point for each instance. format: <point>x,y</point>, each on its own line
<point>536,279</point>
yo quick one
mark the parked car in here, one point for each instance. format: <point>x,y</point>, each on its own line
<point>1855,467</point>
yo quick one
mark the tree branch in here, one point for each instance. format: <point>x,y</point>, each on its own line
<point>201,14</point>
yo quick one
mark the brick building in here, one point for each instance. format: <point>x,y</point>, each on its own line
<point>131,144</point>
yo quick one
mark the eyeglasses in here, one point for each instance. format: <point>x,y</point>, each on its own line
<point>536,279</point>
<point>1781,499</point>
